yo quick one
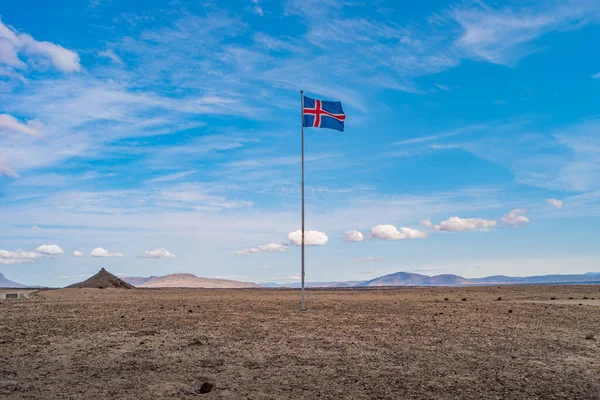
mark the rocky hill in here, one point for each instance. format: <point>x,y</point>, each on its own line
<point>102,280</point>
<point>6,283</point>
<point>187,281</point>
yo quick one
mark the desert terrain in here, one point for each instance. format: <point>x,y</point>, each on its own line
<point>536,342</point>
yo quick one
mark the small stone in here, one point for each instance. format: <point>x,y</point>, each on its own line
<point>590,336</point>
<point>446,299</point>
<point>499,299</point>
<point>510,311</point>
<point>464,299</point>
<point>206,387</point>
<point>552,298</point>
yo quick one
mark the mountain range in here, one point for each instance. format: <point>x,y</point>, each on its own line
<point>6,283</point>
<point>186,281</point>
<point>411,279</point>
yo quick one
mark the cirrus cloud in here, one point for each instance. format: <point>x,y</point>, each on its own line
<point>157,253</point>
<point>311,238</point>
<point>390,232</point>
<point>13,45</point>
<point>8,123</point>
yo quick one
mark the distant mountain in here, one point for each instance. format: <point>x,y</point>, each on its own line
<point>102,280</point>
<point>187,281</point>
<point>5,283</point>
<point>310,284</point>
<point>411,279</point>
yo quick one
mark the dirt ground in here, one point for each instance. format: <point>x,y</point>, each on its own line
<point>256,344</point>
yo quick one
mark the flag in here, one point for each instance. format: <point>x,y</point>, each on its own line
<point>323,114</point>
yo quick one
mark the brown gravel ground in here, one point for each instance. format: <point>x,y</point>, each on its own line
<point>255,344</point>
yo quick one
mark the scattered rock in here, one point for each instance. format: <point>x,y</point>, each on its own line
<point>499,299</point>
<point>510,311</point>
<point>446,299</point>
<point>585,298</point>
<point>206,387</point>
<point>464,299</point>
<point>590,336</point>
<point>570,298</point>
<point>552,298</point>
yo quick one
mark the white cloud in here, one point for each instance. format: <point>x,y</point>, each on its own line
<point>516,218</point>
<point>456,224</point>
<point>100,252</point>
<point>271,248</point>
<point>353,236</point>
<point>50,250</point>
<point>257,8</point>
<point>8,123</point>
<point>110,54</point>
<point>13,44</point>
<point>556,203</point>
<point>311,238</point>
<point>503,36</point>
<point>157,253</point>
<point>390,232</point>
<point>77,253</point>
<point>369,259</point>
<point>427,223</point>
<point>16,257</point>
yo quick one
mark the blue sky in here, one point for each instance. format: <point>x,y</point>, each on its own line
<point>166,138</point>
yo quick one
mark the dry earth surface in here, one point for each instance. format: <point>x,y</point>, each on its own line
<point>255,344</point>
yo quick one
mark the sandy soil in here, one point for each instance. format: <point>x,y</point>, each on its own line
<point>255,344</point>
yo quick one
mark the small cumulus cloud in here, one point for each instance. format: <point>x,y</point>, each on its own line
<point>353,236</point>
<point>17,257</point>
<point>556,203</point>
<point>100,252</point>
<point>369,259</point>
<point>457,224</point>
<point>515,218</point>
<point>50,250</point>
<point>77,253</point>
<point>390,232</point>
<point>265,248</point>
<point>427,223</point>
<point>157,253</point>
<point>311,238</point>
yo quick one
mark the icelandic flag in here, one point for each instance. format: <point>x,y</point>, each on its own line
<point>323,114</point>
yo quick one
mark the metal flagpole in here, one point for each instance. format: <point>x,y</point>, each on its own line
<point>302,307</point>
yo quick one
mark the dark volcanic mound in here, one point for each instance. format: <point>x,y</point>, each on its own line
<point>103,280</point>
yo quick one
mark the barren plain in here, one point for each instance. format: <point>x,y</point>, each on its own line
<point>526,342</point>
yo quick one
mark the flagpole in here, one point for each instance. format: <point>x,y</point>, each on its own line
<point>302,307</point>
